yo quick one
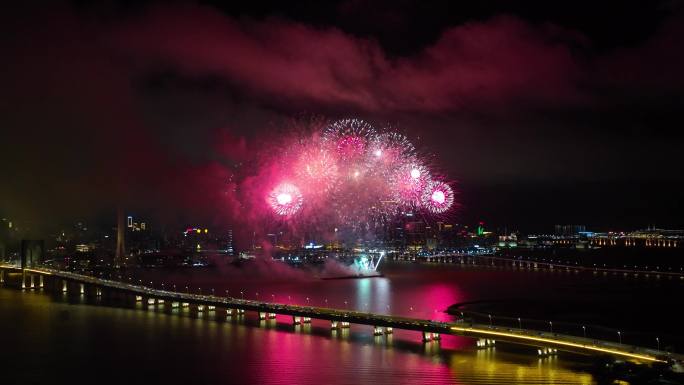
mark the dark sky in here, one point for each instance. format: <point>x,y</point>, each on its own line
<point>543,112</point>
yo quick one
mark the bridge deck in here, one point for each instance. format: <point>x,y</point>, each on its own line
<point>511,335</point>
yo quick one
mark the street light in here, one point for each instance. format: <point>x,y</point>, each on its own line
<point>584,331</point>
<point>658,341</point>
<point>619,337</point>
<point>490,320</point>
<point>551,326</point>
<point>519,323</point>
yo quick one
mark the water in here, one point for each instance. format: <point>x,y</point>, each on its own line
<point>49,338</point>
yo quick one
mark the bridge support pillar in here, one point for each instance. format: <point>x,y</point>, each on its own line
<point>296,320</point>
<point>211,307</point>
<point>151,301</point>
<point>240,311</point>
<point>545,352</point>
<point>427,337</point>
<point>98,292</point>
<point>82,289</point>
<point>160,301</point>
<point>41,281</point>
<point>262,315</point>
<point>485,343</point>
<point>138,298</point>
<point>185,304</point>
<point>306,320</point>
<point>200,308</point>
<point>334,324</point>
<point>377,330</point>
<point>33,281</point>
<point>229,312</point>
<point>344,324</point>
<point>64,286</point>
<point>23,279</point>
<point>175,304</point>
<point>388,330</point>
<point>2,275</point>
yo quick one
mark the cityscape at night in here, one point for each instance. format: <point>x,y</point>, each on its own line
<point>343,192</point>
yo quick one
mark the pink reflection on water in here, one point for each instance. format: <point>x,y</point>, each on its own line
<point>299,358</point>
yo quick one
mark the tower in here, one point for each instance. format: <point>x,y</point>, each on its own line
<point>120,256</point>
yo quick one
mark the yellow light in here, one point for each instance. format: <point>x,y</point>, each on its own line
<point>206,231</point>
<point>557,342</point>
<point>199,231</point>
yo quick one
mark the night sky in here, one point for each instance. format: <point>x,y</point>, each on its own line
<point>542,112</point>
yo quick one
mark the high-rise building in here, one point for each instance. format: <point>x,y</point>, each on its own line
<point>31,253</point>
<point>120,253</point>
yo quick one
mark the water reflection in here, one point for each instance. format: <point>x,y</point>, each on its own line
<point>140,341</point>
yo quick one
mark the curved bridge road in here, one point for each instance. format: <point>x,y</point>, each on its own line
<point>381,322</point>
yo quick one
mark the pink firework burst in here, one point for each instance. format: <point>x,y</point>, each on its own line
<point>316,169</point>
<point>390,147</point>
<point>437,197</point>
<point>349,138</point>
<point>408,183</point>
<point>285,199</point>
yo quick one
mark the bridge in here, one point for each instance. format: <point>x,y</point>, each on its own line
<point>487,335</point>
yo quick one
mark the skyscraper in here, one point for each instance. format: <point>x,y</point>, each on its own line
<point>120,255</point>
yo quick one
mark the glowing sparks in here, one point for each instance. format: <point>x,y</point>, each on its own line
<point>438,197</point>
<point>408,183</point>
<point>285,199</point>
<point>316,169</point>
<point>349,138</point>
<point>356,176</point>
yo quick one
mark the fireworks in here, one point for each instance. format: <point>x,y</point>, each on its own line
<point>356,176</point>
<point>437,197</point>
<point>316,169</point>
<point>349,138</point>
<point>408,182</point>
<point>285,199</point>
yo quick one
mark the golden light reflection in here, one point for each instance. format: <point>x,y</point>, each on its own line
<point>485,367</point>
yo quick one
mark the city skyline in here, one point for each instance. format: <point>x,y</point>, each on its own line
<point>342,192</point>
